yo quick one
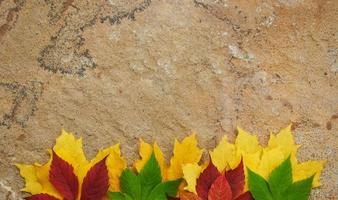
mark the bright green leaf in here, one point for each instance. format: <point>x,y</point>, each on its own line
<point>299,190</point>
<point>131,184</point>
<point>259,187</point>
<point>280,179</point>
<point>171,187</point>
<point>162,190</point>
<point>116,196</point>
<point>150,176</point>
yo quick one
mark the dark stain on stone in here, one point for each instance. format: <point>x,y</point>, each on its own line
<point>117,18</point>
<point>23,103</point>
<point>328,125</point>
<point>65,53</point>
<point>57,9</point>
<point>11,18</point>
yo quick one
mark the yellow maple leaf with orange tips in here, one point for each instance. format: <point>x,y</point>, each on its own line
<point>70,149</point>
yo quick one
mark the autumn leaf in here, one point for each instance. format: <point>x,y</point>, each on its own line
<point>145,153</point>
<point>188,196</point>
<point>95,184</point>
<point>224,156</point>
<point>147,185</point>
<point>206,179</point>
<point>280,185</point>
<point>58,177</point>
<point>245,196</point>
<point>191,172</point>
<point>220,189</point>
<point>62,176</point>
<point>41,197</point>
<point>236,180</point>
<point>181,157</point>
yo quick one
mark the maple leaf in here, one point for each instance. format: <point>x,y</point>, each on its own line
<point>224,155</point>
<point>181,157</point>
<point>212,184</point>
<point>147,185</point>
<point>280,185</point>
<point>263,160</point>
<point>190,173</point>
<point>62,176</point>
<point>206,179</point>
<point>145,153</point>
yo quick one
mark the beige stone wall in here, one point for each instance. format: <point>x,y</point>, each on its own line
<point>116,70</point>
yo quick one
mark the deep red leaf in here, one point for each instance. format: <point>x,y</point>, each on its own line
<point>220,189</point>
<point>236,180</point>
<point>245,196</point>
<point>95,184</point>
<point>62,176</point>
<point>204,182</point>
<point>41,197</point>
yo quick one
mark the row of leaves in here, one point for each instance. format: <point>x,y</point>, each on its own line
<point>244,170</point>
<point>148,185</point>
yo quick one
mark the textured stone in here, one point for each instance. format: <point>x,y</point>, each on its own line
<point>112,71</point>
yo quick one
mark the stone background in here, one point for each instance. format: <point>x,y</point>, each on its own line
<point>116,70</point>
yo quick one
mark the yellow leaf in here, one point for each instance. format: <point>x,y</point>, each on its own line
<point>284,140</point>
<point>145,153</point>
<point>224,156</point>
<point>116,164</point>
<point>191,172</point>
<point>184,153</point>
<point>246,142</point>
<point>307,169</point>
<point>37,178</point>
<point>70,150</point>
<point>250,161</point>
<point>28,172</point>
<point>270,160</point>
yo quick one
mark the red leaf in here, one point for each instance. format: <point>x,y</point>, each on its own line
<point>41,197</point>
<point>204,182</point>
<point>220,189</point>
<point>236,180</point>
<point>95,184</point>
<point>245,196</point>
<point>62,177</point>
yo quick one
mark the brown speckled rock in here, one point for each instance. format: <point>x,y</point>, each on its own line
<point>116,70</point>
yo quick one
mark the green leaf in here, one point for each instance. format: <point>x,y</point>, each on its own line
<point>162,190</point>
<point>299,190</point>
<point>171,187</point>
<point>131,184</point>
<point>116,196</point>
<point>258,186</point>
<point>150,176</point>
<point>280,179</point>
